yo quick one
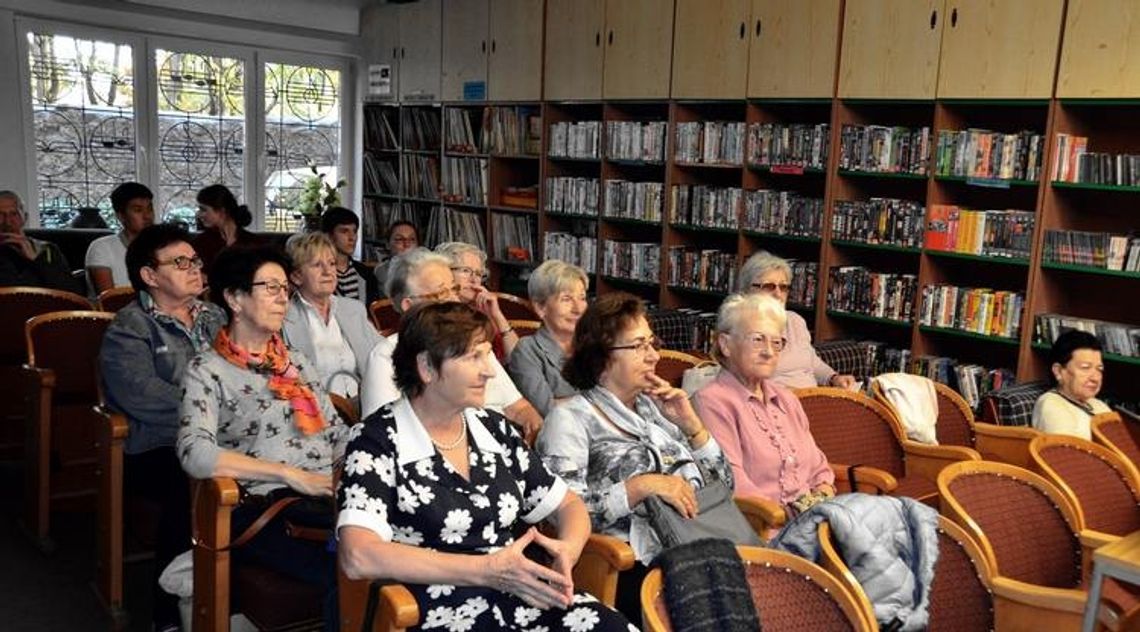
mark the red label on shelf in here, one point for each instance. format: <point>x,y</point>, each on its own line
<point>791,170</point>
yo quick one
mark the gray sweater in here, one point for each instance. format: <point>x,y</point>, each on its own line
<point>536,368</point>
<point>141,363</point>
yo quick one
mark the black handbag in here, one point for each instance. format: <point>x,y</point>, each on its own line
<point>719,517</point>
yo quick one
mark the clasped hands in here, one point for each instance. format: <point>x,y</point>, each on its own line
<point>509,571</point>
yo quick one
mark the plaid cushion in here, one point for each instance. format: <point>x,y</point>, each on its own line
<point>847,357</point>
<point>1013,405</point>
<point>672,327</point>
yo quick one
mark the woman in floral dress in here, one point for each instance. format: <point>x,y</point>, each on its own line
<point>440,494</point>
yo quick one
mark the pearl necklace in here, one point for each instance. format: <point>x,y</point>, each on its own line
<point>458,439</point>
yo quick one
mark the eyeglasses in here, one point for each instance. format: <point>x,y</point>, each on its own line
<point>642,347</point>
<point>471,273</point>
<point>772,287</point>
<point>272,288</point>
<point>182,262</point>
<point>760,341</point>
<point>445,294</point>
<point>404,240</point>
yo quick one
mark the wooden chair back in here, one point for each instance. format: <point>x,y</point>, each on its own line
<point>384,316</point>
<point>955,419</point>
<point>791,595</point>
<point>1102,486</point>
<point>516,307</point>
<point>673,364</point>
<point>115,298</point>
<point>1114,432</point>
<point>67,343</point>
<point>17,305</point>
<point>854,429</point>
<point>525,327</point>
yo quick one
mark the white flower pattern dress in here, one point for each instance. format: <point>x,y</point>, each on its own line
<point>397,485</point>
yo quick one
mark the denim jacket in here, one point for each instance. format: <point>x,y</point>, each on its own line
<point>141,364</point>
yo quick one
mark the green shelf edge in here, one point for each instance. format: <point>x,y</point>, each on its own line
<point>1072,267</point>
<point>1111,357</point>
<point>592,218</point>
<point>966,180</point>
<point>781,236</point>
<point>874,101</point>
<point>1085,186</point>
<point>1013,342</point>
<point>997,102</point>
<point>885,175</point>
<point>630,220</point>
<point>569,159</point>
<point>697,290</point>
<point>768,169</point>
<point>1100,102</point>
<point>950,254</point>
<point>616,279</point>
<point>791,100</point>
<point>882,247</point>
<point>713,229</point>
<point>869,319</point>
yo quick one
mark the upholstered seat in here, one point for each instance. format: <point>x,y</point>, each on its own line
<point>1103,488</point>
<point>1118,434</point>
<point>516,307</point>
<point>383,316</point>
<point>114,299</point>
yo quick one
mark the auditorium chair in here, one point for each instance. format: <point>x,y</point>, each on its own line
<point>384,316</point>
<point>115,298</point>
<point>672,365</point>
<point>1118,434</point>
<point>516,307</point>
<point>525,328</point>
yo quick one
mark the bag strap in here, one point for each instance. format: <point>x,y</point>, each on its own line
<point>252,530</point>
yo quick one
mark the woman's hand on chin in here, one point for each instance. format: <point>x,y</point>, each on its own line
<point>308,483</point>
<point>674,404</point>
<point>509,571</point>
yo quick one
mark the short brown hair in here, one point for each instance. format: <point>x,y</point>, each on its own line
<point>596,332</point>
<point>443,331</point>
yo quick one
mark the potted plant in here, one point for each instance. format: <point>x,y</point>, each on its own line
<point>316,196</point>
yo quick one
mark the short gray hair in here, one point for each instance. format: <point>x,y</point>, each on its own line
<point>759,264</point>
<point>12,195</point>
<point>736,306</point>
<point>401,268</point>
<point>553,277</point>
<point>303,248</point>
<point>455,249</point>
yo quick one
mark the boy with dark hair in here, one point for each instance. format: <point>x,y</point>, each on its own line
<point>106,256</point>
<point>353,278</point>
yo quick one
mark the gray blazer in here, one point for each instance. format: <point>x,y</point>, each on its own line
<point>350,315</point>
<point>536,368</point>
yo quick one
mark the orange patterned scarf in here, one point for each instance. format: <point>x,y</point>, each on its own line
<point>284,379</point>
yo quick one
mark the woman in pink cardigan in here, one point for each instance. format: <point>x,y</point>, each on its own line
<point>759,424</point>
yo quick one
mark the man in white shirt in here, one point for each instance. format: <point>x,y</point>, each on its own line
<point>414,277</point>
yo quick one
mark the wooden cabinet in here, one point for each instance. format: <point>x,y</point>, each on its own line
<point>380,38</point>
<point>465,46</point>
<point>710,49</point>
<point>515,64</point>
<point>639,47</point>
<point>999,50</point>
<point>419,27</point>
<point>572,67</point>
<point>1101,54</point>
<point>793,48</point>
<point>890,49</point>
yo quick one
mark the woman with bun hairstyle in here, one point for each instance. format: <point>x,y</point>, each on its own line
<point>223,223</point>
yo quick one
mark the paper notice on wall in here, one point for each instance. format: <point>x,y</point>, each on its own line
<point>380,80</point>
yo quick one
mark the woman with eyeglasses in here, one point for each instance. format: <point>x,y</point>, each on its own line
<point>800,366</point>
<point>223,222</point>
<point>758,423</point>
<point>145,352</point>
<point>469,265</point>
<point>333,331</point>
<point>628,434</point>
<point>256,412</point>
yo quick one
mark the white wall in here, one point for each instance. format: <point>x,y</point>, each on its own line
<point>13,165</point>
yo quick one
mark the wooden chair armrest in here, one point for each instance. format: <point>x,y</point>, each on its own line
<point>399,607</point>
<point>764,515</point>
<point>1045,598</point>
<point>213,502</point>
<point>868,479</point>
<point>112,431</point>
<point>1006,444</point>
<point>1092,539</point>
<point>928,460</point>
<point>597,569</point>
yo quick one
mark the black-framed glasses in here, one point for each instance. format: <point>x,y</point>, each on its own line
<point>182,262</point>
<point>471,273</point>
<point>272,288</point>
<point>772,287</point>
<point>761,341</point>
<point>641,347</point>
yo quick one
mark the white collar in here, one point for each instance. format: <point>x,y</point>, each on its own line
<point>413,443</point>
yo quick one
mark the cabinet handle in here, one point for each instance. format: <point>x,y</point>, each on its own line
<point>611,38</point>
<point>933,18</point>
<point>395,52</point>
<point>484,46</point>
<point>757,28</point>
<point>492,46</point>
<point>403,53</point>
<point>742,30</point>
<point>597,38</point>
<point>954,17</point>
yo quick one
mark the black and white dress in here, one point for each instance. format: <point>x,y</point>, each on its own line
<point>397,485</point>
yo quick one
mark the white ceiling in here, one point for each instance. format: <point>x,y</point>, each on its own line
<point>340,16</point>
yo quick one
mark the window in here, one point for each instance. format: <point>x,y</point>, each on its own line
<point>83,123</point>
<point>302,125</point>
<point>201,129</point>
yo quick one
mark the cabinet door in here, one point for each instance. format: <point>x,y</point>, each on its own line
<point>890,49</point>
<point>515,66</point>
<point>380,35</point>
<point>793,48</point>
<point>1004,50</point>
<point>639,48</point>
<point>465,46</point>
<point>420,50</point>
<point>1101,54</point>
<point>573,64</point>
<point>710,49</point>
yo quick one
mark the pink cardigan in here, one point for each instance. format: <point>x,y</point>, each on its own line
<point>799,366</point>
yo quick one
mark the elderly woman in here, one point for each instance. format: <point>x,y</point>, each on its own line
<point>558,292</point>
<point>759,424</point>
<point>1078,372</point>
<point>469,265</point>
<point>799,365</point>
<point>253,411</point>
<point>440,493</point>
<point>333,331</point>
<point>223,223</point>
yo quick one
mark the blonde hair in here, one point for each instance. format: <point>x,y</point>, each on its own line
<point>304,247</point>
<point>552,277</point>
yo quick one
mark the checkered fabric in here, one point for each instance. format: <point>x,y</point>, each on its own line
<point>674,328</point>
<point>1013,405</point>
<point>847,357</point>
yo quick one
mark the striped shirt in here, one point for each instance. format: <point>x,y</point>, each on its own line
<point>349,284</point>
